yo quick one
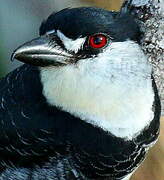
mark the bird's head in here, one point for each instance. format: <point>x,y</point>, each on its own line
<point>90,64</point>
<point>73,35</point>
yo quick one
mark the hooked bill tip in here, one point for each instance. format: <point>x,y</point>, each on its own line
<point>12,57</point>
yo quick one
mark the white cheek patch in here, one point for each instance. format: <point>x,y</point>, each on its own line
<point>71,45</point>
<point>112,91</point>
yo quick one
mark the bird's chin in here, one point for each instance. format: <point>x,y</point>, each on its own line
<point>38,52</point>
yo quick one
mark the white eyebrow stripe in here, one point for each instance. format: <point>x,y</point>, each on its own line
<point>71,45</point>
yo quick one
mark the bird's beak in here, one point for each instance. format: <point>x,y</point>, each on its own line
<point>42,51</point>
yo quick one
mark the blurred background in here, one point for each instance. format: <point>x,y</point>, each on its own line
<point>20,21</point>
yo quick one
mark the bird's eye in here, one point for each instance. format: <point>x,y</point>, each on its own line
<point>98,41</point>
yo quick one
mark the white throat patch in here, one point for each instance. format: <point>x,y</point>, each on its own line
<point>71,45</point>
<point>112,91</point>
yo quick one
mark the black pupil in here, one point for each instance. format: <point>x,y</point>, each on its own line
<point>98,40</point>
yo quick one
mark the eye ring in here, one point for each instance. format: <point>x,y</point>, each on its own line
<point>98,41</point>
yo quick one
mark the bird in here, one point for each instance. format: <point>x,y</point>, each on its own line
<point>84,105</point>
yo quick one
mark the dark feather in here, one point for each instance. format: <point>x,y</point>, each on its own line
<point>38,141</point>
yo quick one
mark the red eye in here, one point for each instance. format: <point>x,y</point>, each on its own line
<point>98,41</point>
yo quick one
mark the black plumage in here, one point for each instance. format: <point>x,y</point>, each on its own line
<point>81,22</point>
